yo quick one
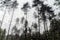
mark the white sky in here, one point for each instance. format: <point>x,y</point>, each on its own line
<point>18,13</point>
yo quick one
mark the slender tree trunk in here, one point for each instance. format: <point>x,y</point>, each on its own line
<point>44,24</point>
<point>39,23</point>
<point>39,19</point>
<point>49,20</point>
<point>26,28</point>
<point>10,24</point>
<point>3,18</point>
<point>46,29</point>
<point>39,26</point>
<point>26,16</point>
<point>44,20</point>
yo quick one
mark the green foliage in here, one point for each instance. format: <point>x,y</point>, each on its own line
<point>57,2</point>
<point>2,34</point>
<point>53,33</point>
<point>26,8</point>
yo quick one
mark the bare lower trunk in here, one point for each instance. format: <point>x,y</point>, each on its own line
<point>10,24</point>
<point>44,26</point>
<point>38,21</point>
<point>2,21</point>
<point>39,24</point>
<point>3,17</point>
<point>26,28</point>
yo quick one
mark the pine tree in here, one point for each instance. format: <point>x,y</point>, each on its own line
<point>37,5</point>
<point>4,5</point>
<point>26,8</point>
<point>13,6</point>
<point>42,8</point>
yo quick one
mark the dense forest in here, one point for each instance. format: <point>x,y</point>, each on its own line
<point>43,13</point>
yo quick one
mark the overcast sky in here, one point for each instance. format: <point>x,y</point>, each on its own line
<point>19,13</point>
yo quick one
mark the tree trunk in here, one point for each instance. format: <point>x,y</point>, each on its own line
<point>39,23</point>
<point>44,26</point>
<point>39,19</point>
<point>26,27</point>
<point>10,24</point>
<point>3,18</point>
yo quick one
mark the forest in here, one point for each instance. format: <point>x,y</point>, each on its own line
<point>43,13</point>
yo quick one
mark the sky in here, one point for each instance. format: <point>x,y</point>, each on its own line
<point>19,13</point>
